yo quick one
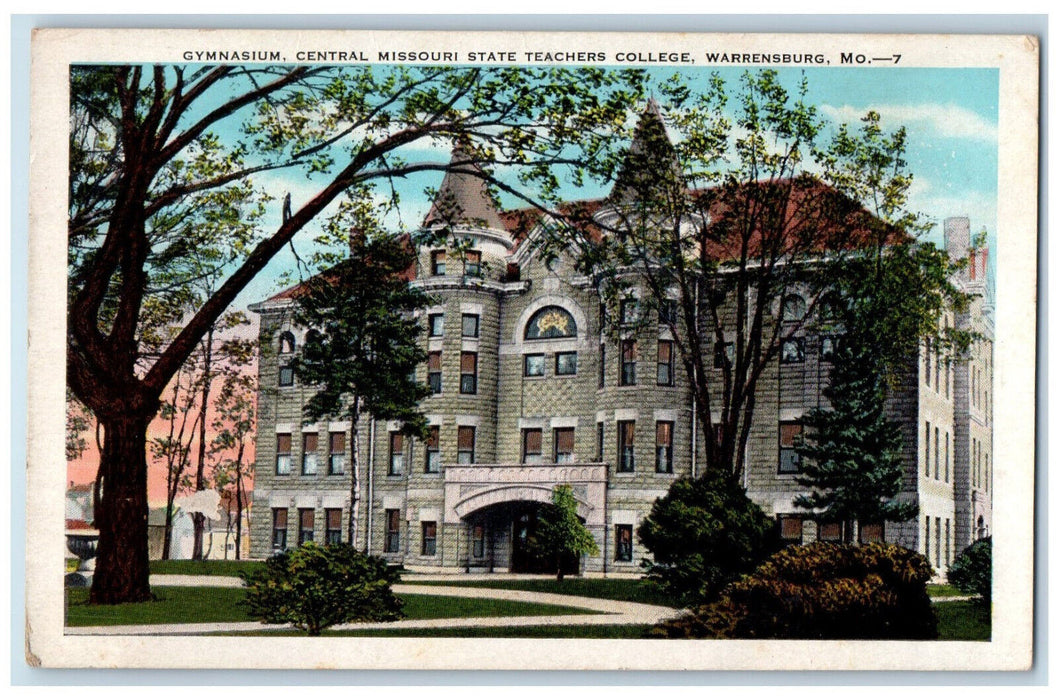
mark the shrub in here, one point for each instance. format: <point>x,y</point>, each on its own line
<point>821,591</point>
<point>704,534</point>
<point>314,587</point>
<point>972,570</point>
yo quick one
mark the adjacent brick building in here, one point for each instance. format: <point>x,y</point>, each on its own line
<point>530,392</point>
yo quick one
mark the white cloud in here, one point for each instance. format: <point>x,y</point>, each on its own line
<point>945,120</point>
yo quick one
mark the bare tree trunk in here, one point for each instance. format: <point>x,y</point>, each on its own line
<point>239,502</point>
<point>354,485</point>
<point>199,519</point>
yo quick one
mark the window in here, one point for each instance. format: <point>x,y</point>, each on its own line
<point>790,460</point>
<point>937,460</point>
<point>790,528</point>
<point>333,523</point>
<point>286,376</point>
<point>926,538</point>
<point>872,532</point>
<point>468,373</point>
<point>599,442</point>
<point>283,453</point>
<point>286,343</point>
<point>629,311</point>
<point>623,543</point>
<point>393,532</point>
<point>792,351</point>
<point>437,263</point>
<point>478,541</point>
<point>928,361</point>
<point>926,444</point>
<point>937,543</point>
<point>946,456</point>
<point>626,446</point>
<point>309,447</point>
<point>602,365</point>
<point>433,451</point>
<point>665,363</point>
<point>472,263</point>
<point>470,326</point>
<point>828,347</point>
<point>436,325</point>
<point>279,529</point>
<point>533,365</point>
<point>465,444</point>
<point>336,459</point>
<point>793,308</point>
<point>947,538</point>
<point>667,312</point>
<point>551,322</point>
<point>829,532</point>
<point>531,446</point>
<point>722,352</point>
<point>664,447</point>
<point>306,518</point>
<point>396,454</point>
<point>434,371</point>
<point>565,364</point>
<point>628,363</point>
<point>429,545</point>
<point>564,445</point>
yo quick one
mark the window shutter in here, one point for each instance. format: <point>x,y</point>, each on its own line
<point>564,440</point>
<point>310,442</point>
<point>283,443</point>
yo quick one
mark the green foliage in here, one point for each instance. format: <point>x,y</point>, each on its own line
<point>852,452</point>
<point>363,349</point>
<point>704,534</point>
<point>560,533</point>
<point>972,570</point>
<point>821,591</point>
<point>314,587</point>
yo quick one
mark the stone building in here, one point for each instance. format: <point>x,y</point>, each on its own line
<point>530,392</point>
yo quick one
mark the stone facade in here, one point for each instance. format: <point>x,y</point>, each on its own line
<point>530,392</point>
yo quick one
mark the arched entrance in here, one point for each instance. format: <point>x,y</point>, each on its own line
<point>503,537</point>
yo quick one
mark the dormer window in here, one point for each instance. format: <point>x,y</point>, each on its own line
<point>437,263</point>
<point>286,343</point>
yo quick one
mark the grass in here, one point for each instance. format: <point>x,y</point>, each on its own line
<point>943,590</point>
<point>187,605</point>
<point>632,590</point>
<point>215,567</point>
<point>964,620</point>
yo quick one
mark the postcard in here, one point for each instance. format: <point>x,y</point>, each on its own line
<point>517,350</point>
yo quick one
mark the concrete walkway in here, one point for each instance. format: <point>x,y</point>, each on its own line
<point>607,612</point>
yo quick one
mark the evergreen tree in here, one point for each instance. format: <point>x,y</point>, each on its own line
<point>363,347</point>
<point>851,452</point>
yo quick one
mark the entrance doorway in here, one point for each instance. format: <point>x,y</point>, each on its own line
<point>527,556</point>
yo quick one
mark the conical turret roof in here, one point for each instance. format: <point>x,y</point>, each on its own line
<point>463,197</point>
<point>650,164</point>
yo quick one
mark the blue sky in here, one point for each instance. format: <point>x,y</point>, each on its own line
<point>950,116</point>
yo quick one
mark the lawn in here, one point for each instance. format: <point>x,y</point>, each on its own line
<point>964,620</point>
<point>180,604</point>
<point>943,590</point>
<point>214,567</point>
<point>632,590</point>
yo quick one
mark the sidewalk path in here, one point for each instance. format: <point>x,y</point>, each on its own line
<point>607,612</point>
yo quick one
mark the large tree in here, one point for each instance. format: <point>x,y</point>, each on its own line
<point>362,350</point>
<point>884,304</point>
<point>163,161</point>
<point>728,232</point>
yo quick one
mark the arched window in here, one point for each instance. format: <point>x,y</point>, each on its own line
<point>793,308</point>
<point>830,307</point>
<point>551,322</point>
<point>286,342</point>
